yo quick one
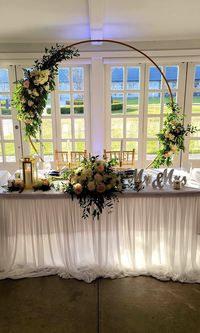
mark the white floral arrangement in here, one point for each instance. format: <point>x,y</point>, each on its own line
<point>172,136</point>
<point>31,93</point>
<point>95,183</point>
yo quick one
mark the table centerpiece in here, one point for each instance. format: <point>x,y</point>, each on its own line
<point>95,184</point>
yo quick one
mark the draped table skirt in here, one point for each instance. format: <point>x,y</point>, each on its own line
<point>155,235</point>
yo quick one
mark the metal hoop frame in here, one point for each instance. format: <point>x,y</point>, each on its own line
<point>132,48</point>
<point>123,44</point>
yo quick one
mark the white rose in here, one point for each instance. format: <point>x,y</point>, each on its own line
<point>174,148</point>
<point>30,103</point>
<point>171,136</point>
<point>91,186</point>
<point>98,177</point>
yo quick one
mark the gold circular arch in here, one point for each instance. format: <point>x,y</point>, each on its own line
<point>132,48</point>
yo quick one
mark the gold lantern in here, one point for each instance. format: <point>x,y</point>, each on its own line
<point>29,171</point>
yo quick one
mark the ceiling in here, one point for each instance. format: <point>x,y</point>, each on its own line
<point>49,21</point>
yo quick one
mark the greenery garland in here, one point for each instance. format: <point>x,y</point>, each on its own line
<point>171,137</point>
<point>31,93</point>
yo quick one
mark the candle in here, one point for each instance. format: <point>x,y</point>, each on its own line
<point>28,178</point>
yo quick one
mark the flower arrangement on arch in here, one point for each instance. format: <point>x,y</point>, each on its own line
<point>31,93</point>
<point>172,136</point>
<point>95,184</point>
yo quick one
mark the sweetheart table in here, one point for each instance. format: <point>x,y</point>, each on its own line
<point>153,232</point>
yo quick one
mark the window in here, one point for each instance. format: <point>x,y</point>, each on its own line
<point>64,123</point>
<point>125,107</point>
<point>137,97</point>
<point>8,126</point>
<point>128,109</point>
<point>72,107</point>
<point>157,98</point>
<point>192,155</point>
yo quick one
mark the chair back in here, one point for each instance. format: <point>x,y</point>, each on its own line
<point>125,157</point>
<point>109,154</point>
<point>69,159</point>
<point>128,157</point>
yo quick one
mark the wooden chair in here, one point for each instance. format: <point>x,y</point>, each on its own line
<point>69,159</point>
<point>109,154</point>
<point>125,157</point>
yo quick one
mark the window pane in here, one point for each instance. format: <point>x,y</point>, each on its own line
<point>154,78</point>
<point>77,78</point>
<point>79,146</point>
<point>132,103</point>
<point>130,145</point>
<point>48,151</point>
<point>66,128</point>
<point>172,76</point>
<point>37,146</point>
<point>153,127</point>
<point>117,78</point>
<point>117,128</point>
<point>194,149</point>
<point>196,102</point>
<point>197,77</point>
<point>79,128</point>
<point>152,148</point>
<point>115,145</point>
<point>195,121</point>
<point>65,103</point>
<point>5,105</point>
<point>63,77</point>
<point>4,80</point>
<point>133,78</point>
<point>47,109</point>
<point>78,104</point>
<point>7,129</point>
<point>132,127</point>
<point>154,103</point>
<point>10,152</point>
<point>47,129</point>
<point>117,102</point>
<point>66,145</point>
<point>167,99</point>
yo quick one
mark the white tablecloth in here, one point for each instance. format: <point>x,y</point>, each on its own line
<point>152,233</point>
<point>4,176</point>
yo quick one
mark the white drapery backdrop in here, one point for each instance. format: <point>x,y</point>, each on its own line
<point>149,235</point>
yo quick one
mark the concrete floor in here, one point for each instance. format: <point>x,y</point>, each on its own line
<point>129,305</point>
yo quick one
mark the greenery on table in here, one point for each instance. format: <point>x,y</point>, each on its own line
<point>95,184</point>
<point>172,136</point>
<point>31,93</point>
